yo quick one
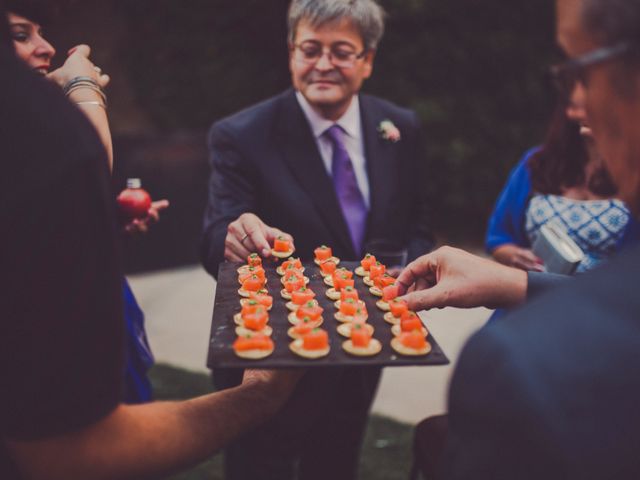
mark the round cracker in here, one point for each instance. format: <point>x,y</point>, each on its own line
<point>296,347</point>
<point>396,330</point>
<point>360,303</point>
<point>295,336</point>
<point>293,319</point>
<point>344,329</point>
<point>333,294</point>
<point>282,272</point>
<point>368,282</point>
<point>287,254</point>
<point>292,307</point>
<point>361,272</point>
<point>244,293</point>
<point>292,334</point>
<point>335,260</point>
<point>397,345</point>
<point>341,317</point>
<point>382,305</point>
<point>389,318</point>
<point>328,280</point>
<point>373,348</point>
<point>253,354</point>
<point>306,280</point>
<point>284,294</point>
<point>245,300</point>
<point>240,331</point>
<point>375,291</point>
<point>243,269</point>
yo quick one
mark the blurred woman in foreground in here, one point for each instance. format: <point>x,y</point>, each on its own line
<point>83,83</point>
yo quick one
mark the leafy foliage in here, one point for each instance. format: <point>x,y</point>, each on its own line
<point>472,69</point>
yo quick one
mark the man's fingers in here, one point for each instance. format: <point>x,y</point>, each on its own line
<point>235,248</point>
<point>231,256</point>
<point>258,242</point>
<point>394,271</point>
<point>420,267</point>
<point>252,231</point>
<point>239,238</point>
<point>422,284</point>
<point>424,299</point>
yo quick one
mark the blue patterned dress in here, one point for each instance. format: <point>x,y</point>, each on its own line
<point>595,225</point>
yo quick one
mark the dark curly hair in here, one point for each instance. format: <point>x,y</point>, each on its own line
<point>560,162</point>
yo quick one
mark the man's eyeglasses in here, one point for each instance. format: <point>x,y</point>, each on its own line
<point>565,75</point>
<point>339,55</point>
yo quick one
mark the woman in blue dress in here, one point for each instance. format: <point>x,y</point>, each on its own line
<point>564,181</point>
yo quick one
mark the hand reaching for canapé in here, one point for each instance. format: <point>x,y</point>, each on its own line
<point>249,234</point>
<point>450,277</point>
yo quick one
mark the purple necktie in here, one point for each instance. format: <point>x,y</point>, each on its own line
<point>346,185</point>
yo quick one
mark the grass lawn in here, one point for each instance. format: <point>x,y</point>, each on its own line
<point>387,447</point>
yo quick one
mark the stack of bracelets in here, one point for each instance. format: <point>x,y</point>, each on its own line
<point>78,83</point>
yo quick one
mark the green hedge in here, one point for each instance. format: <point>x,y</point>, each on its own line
<point>472,69</point>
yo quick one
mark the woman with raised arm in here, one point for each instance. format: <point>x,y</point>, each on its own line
<point>83,83</point>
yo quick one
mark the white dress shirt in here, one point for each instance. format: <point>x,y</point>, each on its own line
<point>353,139</point>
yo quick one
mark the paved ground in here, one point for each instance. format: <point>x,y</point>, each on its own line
<point>178,305</point>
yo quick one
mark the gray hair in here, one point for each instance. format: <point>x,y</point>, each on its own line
<point>612,21</point>
<point>366,15</point>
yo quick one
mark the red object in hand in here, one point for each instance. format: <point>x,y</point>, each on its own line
<point>134,202</point>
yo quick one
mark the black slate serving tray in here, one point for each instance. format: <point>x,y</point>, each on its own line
<point>227,303</point>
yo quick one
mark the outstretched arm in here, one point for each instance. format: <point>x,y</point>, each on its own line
<point>449,277</point>
<point>144,441</point>
<point>232,230</point>
<point>88,100</point>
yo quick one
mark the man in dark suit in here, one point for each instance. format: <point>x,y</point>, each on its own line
<point>552,390</point>
<point>274,160</point>
<point>326,165</point>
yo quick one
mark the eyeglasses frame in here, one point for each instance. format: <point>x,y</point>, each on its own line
<point>327,51</point>
<point>574,68</point>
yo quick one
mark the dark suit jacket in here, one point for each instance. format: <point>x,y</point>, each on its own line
<point>552,390</point>
<point>265,160</point>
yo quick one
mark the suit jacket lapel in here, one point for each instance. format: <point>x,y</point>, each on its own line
<point>303,158</point>
<point>380,156</point>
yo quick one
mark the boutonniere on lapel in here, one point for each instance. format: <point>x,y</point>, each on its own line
<point>388,131</point>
